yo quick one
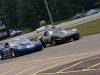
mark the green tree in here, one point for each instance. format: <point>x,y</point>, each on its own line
<point>28,13</point>
<point>60,9</point>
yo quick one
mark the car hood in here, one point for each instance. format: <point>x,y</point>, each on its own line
<point>23,45</point>
<point>28,44</point>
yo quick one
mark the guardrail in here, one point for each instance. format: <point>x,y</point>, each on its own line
<point>79,21</point>
<point>64,25</point>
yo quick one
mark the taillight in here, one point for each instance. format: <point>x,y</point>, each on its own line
<point>76,35</point>
<point>63,38</point>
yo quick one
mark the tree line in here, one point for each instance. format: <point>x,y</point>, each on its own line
<point>28,13</point>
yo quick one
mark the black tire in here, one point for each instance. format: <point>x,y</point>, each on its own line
<point>53,42</point>
<point>14,54</point>
<point>44,45</point>
<point>75,38</point>
<point>2,58</point>
<point>71,39</point>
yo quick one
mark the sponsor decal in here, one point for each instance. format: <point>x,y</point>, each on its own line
<point>4,32</point>
<point>30,46</point>
<point>2,27</point>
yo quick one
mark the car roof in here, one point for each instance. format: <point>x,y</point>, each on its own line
<point>40,28</point>
<point>44,27</point>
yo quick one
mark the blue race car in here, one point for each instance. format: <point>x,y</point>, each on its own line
<point>18,47</point>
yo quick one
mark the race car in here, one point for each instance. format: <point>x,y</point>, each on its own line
<point>14,33</point>
<point>44,28</point>
<point>18,47</point>
<point>59,35</point>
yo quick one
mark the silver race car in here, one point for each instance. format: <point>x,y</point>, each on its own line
<point>59,35</point>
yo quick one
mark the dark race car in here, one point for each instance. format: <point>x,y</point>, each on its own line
<point>19,46</point>
<point>59,35</point>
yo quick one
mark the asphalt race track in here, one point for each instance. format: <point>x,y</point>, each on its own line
<point>81,57</point>
<point>88,66</point>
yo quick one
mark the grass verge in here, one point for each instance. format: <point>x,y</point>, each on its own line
<point>27,30</point>
<point>88,28</point>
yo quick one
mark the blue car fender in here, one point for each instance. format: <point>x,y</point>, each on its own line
<point>38,44</point>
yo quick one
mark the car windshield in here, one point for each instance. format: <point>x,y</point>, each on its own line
<point>18,41</point>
